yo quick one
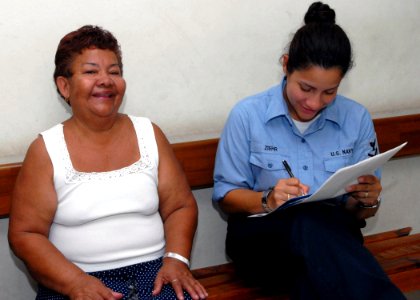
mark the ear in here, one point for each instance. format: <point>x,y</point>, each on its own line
<point>284,61</point>
<point>63,85</point>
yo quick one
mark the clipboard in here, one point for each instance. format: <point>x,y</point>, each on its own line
<point>335,185</point>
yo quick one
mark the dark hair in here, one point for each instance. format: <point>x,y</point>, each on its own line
<point>320,42</point>
<point>75,42</point>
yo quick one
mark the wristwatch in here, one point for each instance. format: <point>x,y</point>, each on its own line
<point>264,199</point>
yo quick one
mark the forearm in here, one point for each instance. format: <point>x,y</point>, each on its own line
<point>242,201</point>
<point>46,264</point>
<point>180,227</point>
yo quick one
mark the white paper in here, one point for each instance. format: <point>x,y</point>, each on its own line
<point>335,185</point>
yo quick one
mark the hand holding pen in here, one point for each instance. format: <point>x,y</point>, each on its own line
<point>302,189</point>
<point>286,189</point>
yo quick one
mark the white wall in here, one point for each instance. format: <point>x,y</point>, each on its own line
<point>186,63</point>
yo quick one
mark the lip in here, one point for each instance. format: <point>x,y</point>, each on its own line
<point>104,94</point>
<point>308,111</point>
<point>307,114</point>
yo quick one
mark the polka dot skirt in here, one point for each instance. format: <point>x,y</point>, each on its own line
<point>135,282</point>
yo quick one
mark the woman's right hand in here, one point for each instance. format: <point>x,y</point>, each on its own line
<point>87,287</point>
<point>284,190</point>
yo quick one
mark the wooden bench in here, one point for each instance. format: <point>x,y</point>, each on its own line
<point>397,251</point>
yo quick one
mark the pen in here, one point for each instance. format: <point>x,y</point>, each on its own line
<point>288,169</point>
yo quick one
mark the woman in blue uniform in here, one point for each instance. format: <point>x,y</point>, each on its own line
<point>314,250</point>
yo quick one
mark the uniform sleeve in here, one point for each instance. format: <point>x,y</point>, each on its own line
<point>232,168</point>
<point>367,145</point>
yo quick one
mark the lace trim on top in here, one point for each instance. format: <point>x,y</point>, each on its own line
<point>74,176</point>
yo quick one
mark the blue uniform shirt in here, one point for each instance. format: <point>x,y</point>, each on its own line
<point>260,133</point>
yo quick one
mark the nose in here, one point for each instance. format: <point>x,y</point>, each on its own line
<point>315,102</point>
<point>105,79</point>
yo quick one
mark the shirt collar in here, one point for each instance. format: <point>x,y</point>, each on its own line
<point>331,112</point>
<point>277,106</point>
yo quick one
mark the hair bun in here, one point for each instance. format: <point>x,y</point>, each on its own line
<point>319,12</point>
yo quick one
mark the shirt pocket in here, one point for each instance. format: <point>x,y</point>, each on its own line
<point>268,157</point>
<point>332,165</point>
<point>268,161</point>
<point>267,168</point>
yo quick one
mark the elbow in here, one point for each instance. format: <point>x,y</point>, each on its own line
<point>224,206</point>
<point>15,242</point>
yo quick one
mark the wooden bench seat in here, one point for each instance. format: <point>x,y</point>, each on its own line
<point>397,251</point>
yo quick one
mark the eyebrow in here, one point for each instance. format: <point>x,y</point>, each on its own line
<point>96,65</point>
<point>312,87</point>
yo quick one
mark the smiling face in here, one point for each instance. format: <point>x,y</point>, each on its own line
<point>96,87</point>
<point>310,90</point>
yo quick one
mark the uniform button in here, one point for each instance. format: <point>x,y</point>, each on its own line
<point>270,166</point>
<point>303,140</point>
<point>305,168</point>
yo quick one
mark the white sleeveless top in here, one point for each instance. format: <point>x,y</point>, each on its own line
<point>107,220</point>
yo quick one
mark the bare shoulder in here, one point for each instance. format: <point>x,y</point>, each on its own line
<point>37,156</point>
<point>34,192</point>
<point>169,167</point>
<point>37,171</point>
<point>160,136</point>
<point>164,147</point>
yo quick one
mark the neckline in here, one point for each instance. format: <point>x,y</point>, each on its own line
<point>73,175</point>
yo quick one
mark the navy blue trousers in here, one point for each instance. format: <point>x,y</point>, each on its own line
<point>311,251</point>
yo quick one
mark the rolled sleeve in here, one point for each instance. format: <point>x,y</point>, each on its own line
<point>232,169</point>
<point>368,143</point>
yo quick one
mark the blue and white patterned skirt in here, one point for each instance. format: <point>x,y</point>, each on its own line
<point>136,282</point>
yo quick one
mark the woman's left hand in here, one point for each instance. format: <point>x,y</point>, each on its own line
<point>179,276</point>
<point>367,190</point>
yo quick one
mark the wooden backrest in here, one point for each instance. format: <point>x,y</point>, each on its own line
<point>197,157</point>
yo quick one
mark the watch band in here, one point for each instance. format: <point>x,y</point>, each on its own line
<point>264,199</point>
<point>361,205</point>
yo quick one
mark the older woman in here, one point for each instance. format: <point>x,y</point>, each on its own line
<point>102,209</point>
